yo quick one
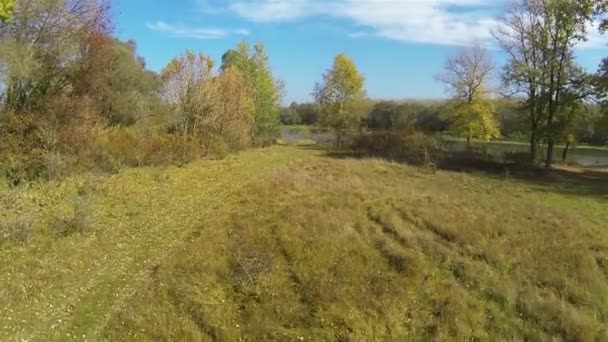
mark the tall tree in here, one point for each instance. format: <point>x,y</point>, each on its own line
<point>339,94</point>
<point>214,110</point>
<point>183,78</point>
<point>43,44</point>
<point>521,37</point>
<point>466,76</point>
<point>252,62</point>
<point>540,37</point>
<point>565,23</point>
<point>115,78</point>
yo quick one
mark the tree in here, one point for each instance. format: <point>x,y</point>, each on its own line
<point>41,47</point>
<point>389,115</point>
<point>214,110</point>
<point>6,10</point>
<point>43,114</point>
<point>252,62</point>
<point>184,79</point>
<point>566,23</point>
<point>339,95</point>
<point>520,37</point>
<point>289,116</point>
<point>309,112</point>
<point>112,74</point>
<point>466,76</point>
<point>231,111</point>
<point>539,38</point>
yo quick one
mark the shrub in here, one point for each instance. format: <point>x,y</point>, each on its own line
<point>417,148</point>
<point>79,219</point>
<point>522,158</point>
<point>47,142</point>
<point>131,147</point>
<point>16,229</point>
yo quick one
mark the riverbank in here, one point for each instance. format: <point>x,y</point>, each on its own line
<point>580,155</point>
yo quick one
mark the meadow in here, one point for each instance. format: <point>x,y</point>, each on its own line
<point>300,243</point>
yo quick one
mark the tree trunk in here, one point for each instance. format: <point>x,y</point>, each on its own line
<point>338,140</point>
<point>550,146</point>
<point>565,153</point>
<point>533,147</point>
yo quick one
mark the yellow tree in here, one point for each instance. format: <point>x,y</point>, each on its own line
<point>475,118</point>
<point>211,109</point>
<point>466,76</point>
<point>6,10</point>
<point>339,95</point>
<point>183,78</point>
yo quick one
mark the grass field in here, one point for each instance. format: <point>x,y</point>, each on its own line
<point>288,243</point>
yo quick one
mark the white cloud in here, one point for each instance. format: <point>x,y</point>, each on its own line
<point>358,34</point>
<point>445,22</point>
<point>451,22</point>
<point>595,40</point>
<point>182,31</point>
<point>210,7</point>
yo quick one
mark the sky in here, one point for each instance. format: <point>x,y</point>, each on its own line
<point>398,45</point>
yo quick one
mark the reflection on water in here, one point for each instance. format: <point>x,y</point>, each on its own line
<point>581,156</point>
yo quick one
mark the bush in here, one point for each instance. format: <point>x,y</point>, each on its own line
<point>521,158</point>
<point>78,223</point>
<point>80,219</point>
<point>48,142</point>
<point>130,147</point>
<point>417,148</point>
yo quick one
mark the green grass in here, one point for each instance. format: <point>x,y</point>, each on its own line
<point>289,244</point>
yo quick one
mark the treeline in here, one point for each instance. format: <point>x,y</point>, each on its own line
<point>73,97</point>
<point>436,116</point>
<point>551,91</point>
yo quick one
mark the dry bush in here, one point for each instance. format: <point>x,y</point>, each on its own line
<point>229,119</point>
<point>49,141</point>
<point>131,147</point>
<point>217,110</point>
<point>417,148</point>
<point>16,230</point>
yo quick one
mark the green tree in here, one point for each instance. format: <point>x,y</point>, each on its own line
<point>466,76</point>
<point>6,10</point>
<point>340,95</point>
<point>289,116</point>
<point>389,115</point>
<point>252,62</point>
<point>112,74</point>
<point>42,48</point>
<point>539,38</point>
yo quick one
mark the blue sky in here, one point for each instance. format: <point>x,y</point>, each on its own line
<point>399,45</point>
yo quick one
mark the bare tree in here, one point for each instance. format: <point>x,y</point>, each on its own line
<point>467,76</point>
<point>467,73</point>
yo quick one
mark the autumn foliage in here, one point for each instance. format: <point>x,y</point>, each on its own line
<point>73,97</point>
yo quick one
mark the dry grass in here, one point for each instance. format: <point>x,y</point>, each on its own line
<point>314,249</point>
